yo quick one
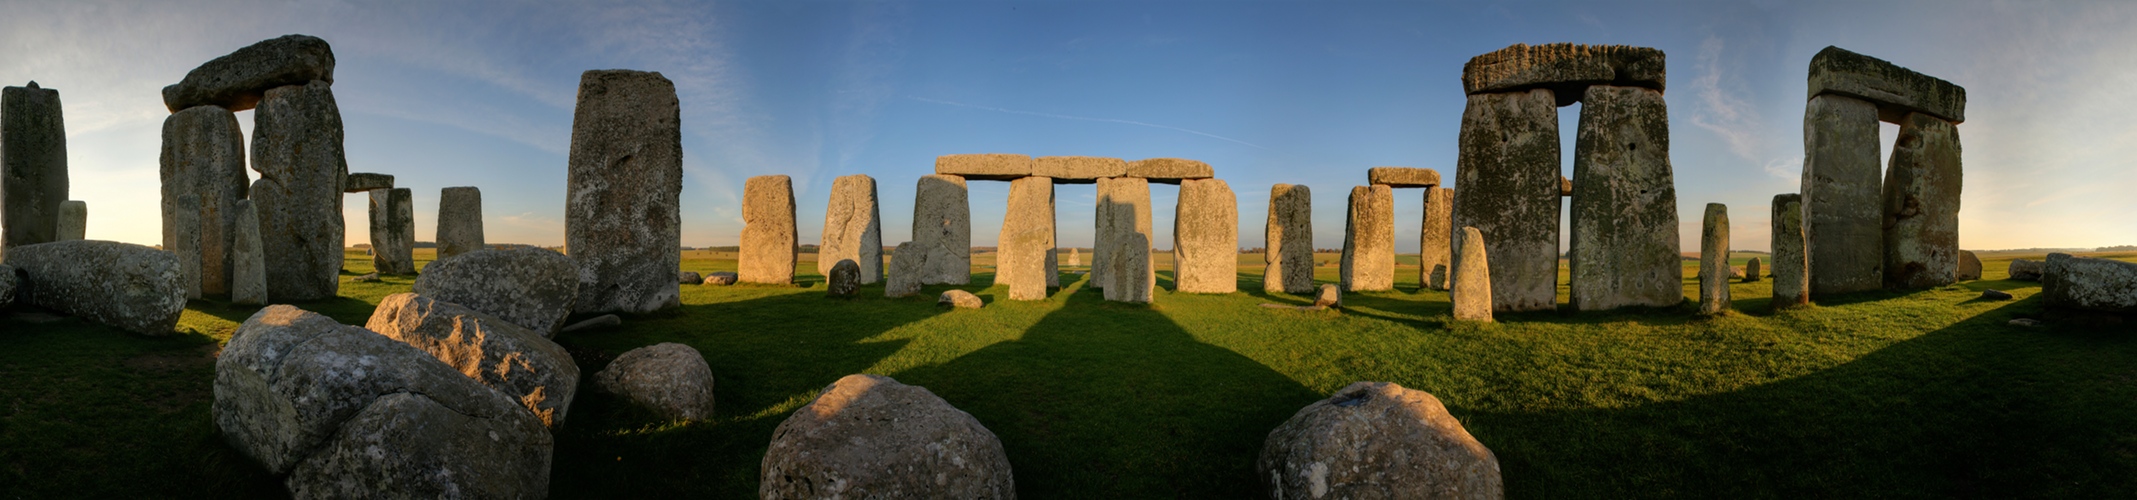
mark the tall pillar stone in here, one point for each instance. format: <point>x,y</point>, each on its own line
<point>853,228</point>
<point>1287,256</point>
<point>1791,279</point>
<point>248,268</point>
<point>33,165</point>
<point>1369,240</point>
<point>1205,238</point>
<point>1435,239</point>
<point>1507,175</point>
<point>1470,290</point>
<point>1842,198</point>
<point>1125,233</point>
<point>73,220</point>
<point>204,154</point>
<point>459,221</point>
<point>393,231</point>
<point>942,231</point>
<point>768,235</point>
<point>1714,260</point>
<point>1027,238</point>
<point>1624,203</point>
<point>187,245</point>
<point>1921,219</point>
<point>622,220</point>
<point>297,149</point>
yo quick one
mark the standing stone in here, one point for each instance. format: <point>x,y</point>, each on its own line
<point>248,268</point>
<point>1471,291</point>
<point>1624,244</point>
<point>1751,270</point>
<point>905,263</point>
<point>1124,236</point>
<point>842,279</point>
<point>2026,270</point>
<point>1843,233</point>
<point>986,166</point>
<point>33,165</point>
<point>1026,239</point>
<point>1791,282</point>
<point>1714,261</point>
<point>1205,238</point>
<point>73,220</point>
<point>187,248</point>
<point>1075,259</point>
<point>130,287</point>
<point>359,182</point>
<point>459,221</point>
<point>393,231</point>
<point>1922,205</point>
<point>297,149</point>
<point>768,236</point>
<point>1969,266</point>
<point>1078,169</point>
<point>237,81</point>
<point>9,284</point>
<point>621,216</point>
<point>853,228</point>
<point>1507,174</point>
<point>1288,254</point>
<point>204,155</point>
<point>1434,241</point>
<point>1369,240</point>
<point>942,231</point>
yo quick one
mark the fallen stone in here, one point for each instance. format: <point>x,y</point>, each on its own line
<point>1377,440</point>
<point>393,231</point>
<point>1205,238</point>
<point>1969,266</point>
<point>622,217</point>
<point>688,278</point>
<point>1169,170</point>
<point>1842,195</point>
<point>769,240</point>
<point>959,299</point>
<point>73,220</point>
<point>2077,283</point>
<point>1791,278</point>
<point>942,231</point>
<point>668,378</point>
<point>594,323</point>
<point>33,162</point>
<point>366,278</point>
<point>238,81</point>
<point>853,228</point>
<point>720,278</point>
<point>297,149</point>
<point>1027,237</point>
<point>1993,294</point>
<point>986,166</point>
<point>248,267</point>
<point>1287,256</point>
<point>187,237</point>
<point>1508,172</point>
<point>1564,68</point>
<point>1751,270</point>
<point>868,436</point>
<point>843,280</point>
<point>1471,289</point>
<point>204,155</point>
<point>1369,240</point>
<point>2025,322</point>
<point>362,182</point>
<point>1921,215</point>
<point>1896,90</point>
<point>2026,270</point>
<point>1624,248</point>
<point>1329,296</point>
<point>527,286</point>
<point>1403,177</point>
<point>1078,169</point>
<point>459,221</point>
<point>1124,267</point>
<point>125,286</point>
<point>1714,261</point>
<point>521,363</point>
<point>1436,238</point>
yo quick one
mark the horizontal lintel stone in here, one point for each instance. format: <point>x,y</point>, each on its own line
<point>1078,169</point>
<point>1169,170</point>
<point>1403,177</point>
<point>986,166</point>
<point>1565,68</point>
<point>1895,90</point>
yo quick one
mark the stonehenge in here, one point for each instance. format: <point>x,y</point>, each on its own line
<point>941,250</point>
<point>622,216</point>
<point>238,81</point>
<point>1921,218</point>
<point>1369,240</point>
<point>1507,188</point>
<point>1027,239</point>
<point>248,268</point>
<point>1078,169</point>
<point>1122,265</point>
<point>459,221</point>
<point>1714,261</point>
<point>1169,170</point>
<point>73,220</point>
<point>393,231</point>
<point>1863,232</point>
<point>1376,440</point>
<point>1205,238</point>
<point>769,243</point>
<point>204,155</point>
<point>1288,255</point>
<point>125,286</point>
<point>521,363</point>
<point>33,162</point>
<point>297,149</point>
<point>1791,278</point>
<point>359,182</point>
<point>1470,284</point>
<point>853,228</point>
<point>1435,240</point>
<point>187,246</point>
<point>1624,248</point>
<point>668,378</point>
<point>868,436</point>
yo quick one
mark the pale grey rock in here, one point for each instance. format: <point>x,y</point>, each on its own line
<point>1896,90</point>
<point>1791,277</point>
<point>73,220</point>
<point>1205,238</point>
<point>985,166</point>
<point>688,278</point>
<point>362,182</point>
<point>1124,230</point>
<point>239,81</point>
<point>530,287</point>
<point>843,279</point>
<point>942,231</point>
<point>2026,270</point>
<point>187,249</point>
<point>1842,196</point>
<point>622,216</point>
<point>769,239</point>
<point>371,277</point>
<point>1471,291</point>
<point>2084,283</point>
<point>1377,440</point>
<point>248,268</point>
<point>1287,256</point>
<point>670,379</point>
<point>459,221</point>
<point>1921,216</point>
<point>1565,68</point>
<point>1969,266</point>
<point>959,299</point>
<point>1403,177</point>
<point>720,278</point>
<point>1507,170</point>
<point>126,286</point>
<point>1074,258</point>
<point>1369,240</point>
<point>521,363</point>
<point>33,166</point>
<point>1751,270</point>
<point>1027,238</point>
<point>904,279</point>
<point>1078,169</point>
<point>593,323</point>
<point>1330,295</point>
<point>393,231</point>
<point>412,445</point>
<point>1714,261</point>
<point>868,436</point>
<point>297,149</point>
<point>1169,170</point>
<point>853,228</point>
<point>2024,322</point>
<point>1435,240</point>
<point>1624,248</point>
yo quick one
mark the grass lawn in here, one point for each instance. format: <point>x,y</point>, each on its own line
<point>1923,394</point>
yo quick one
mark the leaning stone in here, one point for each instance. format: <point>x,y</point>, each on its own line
<point>33,166</point>
<point>1921,216</point>
<point>1565,68</point>
<point>868,436</point>
<point>1751,270</point>
<point>2075,283</point>
<point>1205,238</point>
<point>248,268</point>
<point>1435,238</point>
<point>843,279</point>
<point>187,248</point>
<point>688,278</point>
<point>1169,170</point>
<point>1377,440</point>
<point>769,240</point>
<point>1124,234</point>
<point>959,299</point>
<point>594,323</point>
<point>393,231</point>
<point>1993,294</point>
<point>1403,177</point>
<point>204,155</point>
<point>942,231</point>
<point>297,149</point>
<point>1287,256</point>
<point>1969,266</point>
<point>239,80</point>
<point>720,278</point>
<point>2026,270</point>
<point>1329,296</point>
<point>986,166</point>
<point>459,221</point>
<point>1369,240</point>
<point>1078,169</point>
<point>1791,279</point>
<point>516,361</point>
<point>1027,237</point>
<point>1624,248</point>
<point>668,378</point>
<point>360,182</point>
<point>622,217</point>
<point>1714,261</point>
<point>1896,90</point>
<point>73,220</point>
<point>130,287</point>
<point>1471,288</point>
<point>1842,222</point>
<point>530,287</point>
<point>1508,172</point>
<point>853,228</point>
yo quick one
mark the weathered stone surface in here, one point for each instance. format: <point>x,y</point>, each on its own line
<point>1791,277</point>
<point>186,247</point>
<point>959,299</point>
<point>593,323</point>
<point>1078,169</point>
<point>1751,270</point>
<point>529,287</point>
<point>1507,171</point>
<point>1624,243</point>
<point>853,228</point>
<point>2084,283</point>
<point>33,166</point>
<point>1435,239</point>
<point>1969,266</point>
<point>1403,177</point>
<point>904,279</point>
<point>1471,292</point>
<point>843,279</point>
<point>622,219</point>
<point>73,220</point>
<point>393,231</point>
<point>130,287</point>
<point>521,363</point>
<point>1287,257</point>
<point>459,221</point>
<point>1330,295</point>
<point>359,182</point>
<point>1377,440</point>
<point>1896,90</point>
<point>9,284</point>
<point>868,436</point>
<point>1369,240</point>
<point>1169,170</point>
<point>248,267</point>
<point>238,81</point>
<point>1027,237</point>
<point>720,278</point>
<point>2026,270</point>
<point>768,236</point>
<point>1842,195</point>
<point>984,166</point>
<point>1714,260</point>
<point>1921,216</point>
<point>1437,279</point>
<point>1564,68</point>
<point>1124,236</point>
<point>668,378</point>
<point>1205,238</point>
<point>942,231</point>
<point>297,149</point>
<point>688,278</point>
<point>342,409</point>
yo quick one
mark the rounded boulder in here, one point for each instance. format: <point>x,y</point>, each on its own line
<point>868,436</point>
<point>1377,440</point>
<point>844,278</point>
<point>668,378</point>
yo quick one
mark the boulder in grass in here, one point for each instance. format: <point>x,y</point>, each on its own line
<point>2025,270</point>
<point>844,279</point>
<point>720,278</point>
<point>1330,296</point>
<point>514,360</point>
<point>1994,294</point>
<point>126,286</point>
<point>688,278</point>
<point>1377,440</point>
<point>959,299</point>
<point>1969,266</point>
<point>530,287</point>
<point>868,436</point>
<point>2090,284</point>
<point>668,378</point>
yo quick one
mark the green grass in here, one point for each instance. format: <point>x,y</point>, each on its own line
<point>1923,394</point>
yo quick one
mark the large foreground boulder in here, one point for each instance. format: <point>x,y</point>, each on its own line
<point>130,287</point>
<point>350,413</point>
<point>668,378</point>
<point>513,360</point>
<point>1376,440</point>
<point>868,436</point>
<point>530,287</point>
<point>2090,283</point>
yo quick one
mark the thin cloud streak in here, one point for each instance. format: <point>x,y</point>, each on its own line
<point>1086,118</point>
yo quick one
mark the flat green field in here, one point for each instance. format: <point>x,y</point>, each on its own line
<point>1922,394</point>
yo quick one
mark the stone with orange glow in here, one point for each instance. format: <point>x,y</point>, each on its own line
<point>530,287</point>
<point>509,358</point>
<point>868,436</point>
<point>668,378</point>
<point>1377,440</point>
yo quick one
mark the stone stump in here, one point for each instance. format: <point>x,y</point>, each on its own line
<point>1969,266</point>
<point>187,245</point>
<point>2026,270</point>
<point>1027,237</point>
<point>33,165</point>
<point>297,149</point>
<point>842,279</point>
<point>1124,231</point>
<point>1507,174</point>
<point>1435,239</point>
<point>942,231</point>
<point>1714,261</point>
<point>670,379</point>
<point>768,236</point>
<point>393,231</point>
<point>853,228</point>
<point>622,220</point>
<point>1074,258</point>
<point>73,220</point>
<point>1471,288</point>
<point>1791,279</point>
<point>1624,244</point>
<point>204,155</point>
<point>1751,270</point>
<point>1205,238</point>
<point>1369,240</point>
<point>459,221</point>
<point>1288,254</point>
<point>1921,218</point>
<point>1842,222</point>
<point>904,278</point>
<point>248,268</point>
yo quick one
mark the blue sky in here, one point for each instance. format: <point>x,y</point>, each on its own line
<point>446,94</point>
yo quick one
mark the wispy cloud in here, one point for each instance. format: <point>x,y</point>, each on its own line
<point>1730,116</point>
<point>1086,118</point>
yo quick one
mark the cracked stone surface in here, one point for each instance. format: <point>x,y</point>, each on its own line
<point>868,436</point>
<point>1377,440</point>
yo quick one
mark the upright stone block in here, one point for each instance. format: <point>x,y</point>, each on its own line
<point>942,231</point>
<point>297,149</point>
<point>904,277</point>
<point>248,267</point>
<point>1507,175</point>
<point>393,231</point>
<point>986,166</point>
<point>1896,90</point>
<point>1791,279</point>
<point>1078,169</point>
<point>1969,266</point>
<point>1471,288</point>
<point>768,235</point>
<point>238,81</point>
<point>1205,238</point>
<point>621,213</point>
<point>1287,257</point>
<point>1435,240</point>
<point>1624,244</point>
<point>459,221</point>
<point>187,245</point>
<point>1842,198</point>
<point>1714,261</point>
<point>1124,234</point>
<point>1026,239</point>
<point>33,165</point>
<point>1922,205</point>
<point>853,228</point>
<point>73,220</point>
<point>204,155</point>
<point>1369,240</point>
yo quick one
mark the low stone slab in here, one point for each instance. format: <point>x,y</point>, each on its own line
<point>1921,216</point>
<point>959,299</point>
<point>853,228</point>
<point>2026,270</point>
<point>1078,169</point>
<point>720,278</point>
<point>73,220</point>
<point>1369,240</point>
<point>986,166</point>
<point>237,81</point>
<point>1896,90</point>
<point>521,363</point>
<point>1791,278</point>
<point>668,378</point>
<point>125,286</point>
<point>1565,68</point>
<point>1969,266</point>
<point>529,287</point>
<point>1377,440</point>
<point>1287,256</point>
<point>1471,288</point>
<point>459,221</point>
<point>1205,238</point>
<point>1169,170</point>
<point>1403,177</point>
<point>2089,283</point>
<point>359,182</point>
<point>1714,268</point>
<point>769,240</point>
<point>688,278</point>
<point>868,436</point>
<point>33,165</point>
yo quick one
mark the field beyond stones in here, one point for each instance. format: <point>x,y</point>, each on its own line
<point>1923,394</point>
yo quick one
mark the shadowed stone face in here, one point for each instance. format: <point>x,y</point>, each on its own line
<point>248,269</point>
<point>1969,266</point>
<point>393,231</point>
<point>1791,284</point>
<point>239,80</point>
<point>1625,203</point>
<point>1124,226</point>
<point>204,155</point>
<point>2089,283</point>
<point>359,182</point>
<point>1369,240</point>
<point>1471,288</point>
<point>1564,68</point>
<point>1027,237</point>
<point>33,165</point>
<point>622,222</point>
<point>1288,256</point>
<point>1896,90</point>
<point>1922,205</point>
<point>1205,235</point>
<point>459,221</point>
<point>1435,239</point>
<point>186,244</point>
<point>768,234</point>
<point>73,220</point>
<point>1507,179</point>
<point>1714,260</point>
<point>297,149</point>
<point>521,363</point>
<point>1843,233</point>
<point>853,228</point>
<point>941,250</point>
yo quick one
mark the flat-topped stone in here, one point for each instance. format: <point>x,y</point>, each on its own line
<point>1565,68</point>
<point>1078,169</point>
<point>941,250</point>
<point>984,166</point>
<point>1287,256</point>
<point>1403,177</point>
<point>1507,167</point>
<point>1369,240</point>
<point>393,231</point>
<point>358,182</point>
<point>622,210</point>
<point>1205,238</point>
<point>1791,267</point>
<point>239,80</point>
<point>1027,238</point>
<point>768,235</point>
<point>1124,267</point>
<point>1623,251</point>
<point>2090,283</point>
<point>1435,237</point>
<point>853,228</point>
<point>1895,90</point>
<point>459,221</point>
<point>1169,170</point>
<point>530,287</point>
<point>33,164</point>
<point>73,220</point>
<point>204,155</point>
